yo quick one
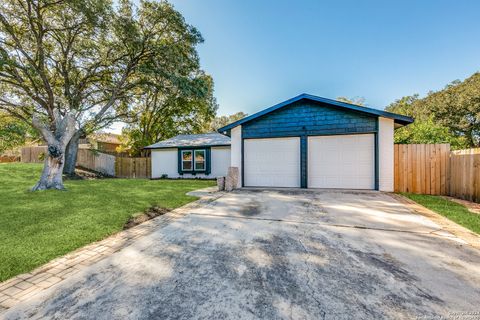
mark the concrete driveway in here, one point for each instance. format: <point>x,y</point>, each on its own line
<point>278,254</point>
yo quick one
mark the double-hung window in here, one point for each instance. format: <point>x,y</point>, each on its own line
<point>199,160</point>
<point>187,160</point>
<point>193,160</point>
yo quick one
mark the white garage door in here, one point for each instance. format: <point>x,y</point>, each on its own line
<point>343,161</point>
<point>272,162</point>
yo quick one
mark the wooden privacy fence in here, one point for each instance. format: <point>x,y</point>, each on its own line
<point>133,167</point>
<point>96,161</point>
<point>434,169</point>
<point>33,154</point>
<point>422,168</point>
<point>100,162</point>
<point>465,174</point>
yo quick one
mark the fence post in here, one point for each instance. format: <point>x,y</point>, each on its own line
<point>134,165</point>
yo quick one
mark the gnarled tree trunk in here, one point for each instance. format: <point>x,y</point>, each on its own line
<point>71,154</point>
<point>57,140</point>
<point>52,169</point>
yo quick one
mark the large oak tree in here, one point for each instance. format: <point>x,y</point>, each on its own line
<point>222,121</point>
<point>72,66</point>
<point>163,113</point>
<point>450,115</point>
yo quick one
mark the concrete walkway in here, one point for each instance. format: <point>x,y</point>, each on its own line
<point>277,254</point>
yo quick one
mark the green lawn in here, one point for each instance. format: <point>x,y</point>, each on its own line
<point>36,227</point>
<point>449,209</point>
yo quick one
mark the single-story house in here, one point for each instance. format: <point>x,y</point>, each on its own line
<point>304,142</point>
<point>191,156</point>
<point>103,141</point>
<point>100,141</point>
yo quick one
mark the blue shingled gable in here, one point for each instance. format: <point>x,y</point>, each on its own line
<point>305,117</point>
<point>399,119</point>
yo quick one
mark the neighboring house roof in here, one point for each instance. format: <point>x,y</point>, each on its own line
<point>399,119</point>
<point>193,140</point>
<point>105,137</point>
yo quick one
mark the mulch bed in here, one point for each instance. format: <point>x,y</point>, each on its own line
<point>84,174</point>
<point>6,159</point>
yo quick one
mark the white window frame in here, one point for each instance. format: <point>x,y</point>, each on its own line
<point>192,161</point>
<point>204,159</point>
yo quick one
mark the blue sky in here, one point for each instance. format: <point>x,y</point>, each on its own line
<point>262,52</point>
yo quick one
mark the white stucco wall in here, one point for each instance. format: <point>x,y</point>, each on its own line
<point>165,161</point>
<point>385,154</point>
<point>220,161</point>
<point>236,151</point>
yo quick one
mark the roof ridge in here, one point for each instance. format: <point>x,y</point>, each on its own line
<point>398,118</point>
<point>197,134</point>
<point>193,140</point>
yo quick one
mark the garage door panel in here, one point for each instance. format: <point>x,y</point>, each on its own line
<point>343,161</point>
<point>272,162</point>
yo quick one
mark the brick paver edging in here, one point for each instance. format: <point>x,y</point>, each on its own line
<point>24,286</point>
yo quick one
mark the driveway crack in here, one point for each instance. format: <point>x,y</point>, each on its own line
<point>335,225</point>
<point>308,274</point>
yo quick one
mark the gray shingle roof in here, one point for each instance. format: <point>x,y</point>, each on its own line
<point>193,140</point>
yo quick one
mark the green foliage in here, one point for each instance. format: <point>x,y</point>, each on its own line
<point>222,121</point>
<point>425,129</point>
<point>359,101</point>
<point>449,209</point>
<point>74,67</point>
<point>37,227</point>
<point>163,114</point>
<point>53,55</point>
<point>457,107</point>
<point>173,94</point>
<point>93,59</point>
<point>428,131</point>
<point>451,115</point>
<point>408,106</point>
<point>13,133</point>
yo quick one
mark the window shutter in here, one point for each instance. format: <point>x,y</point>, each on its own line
<point>179,161</point>
<point>208,158</point>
